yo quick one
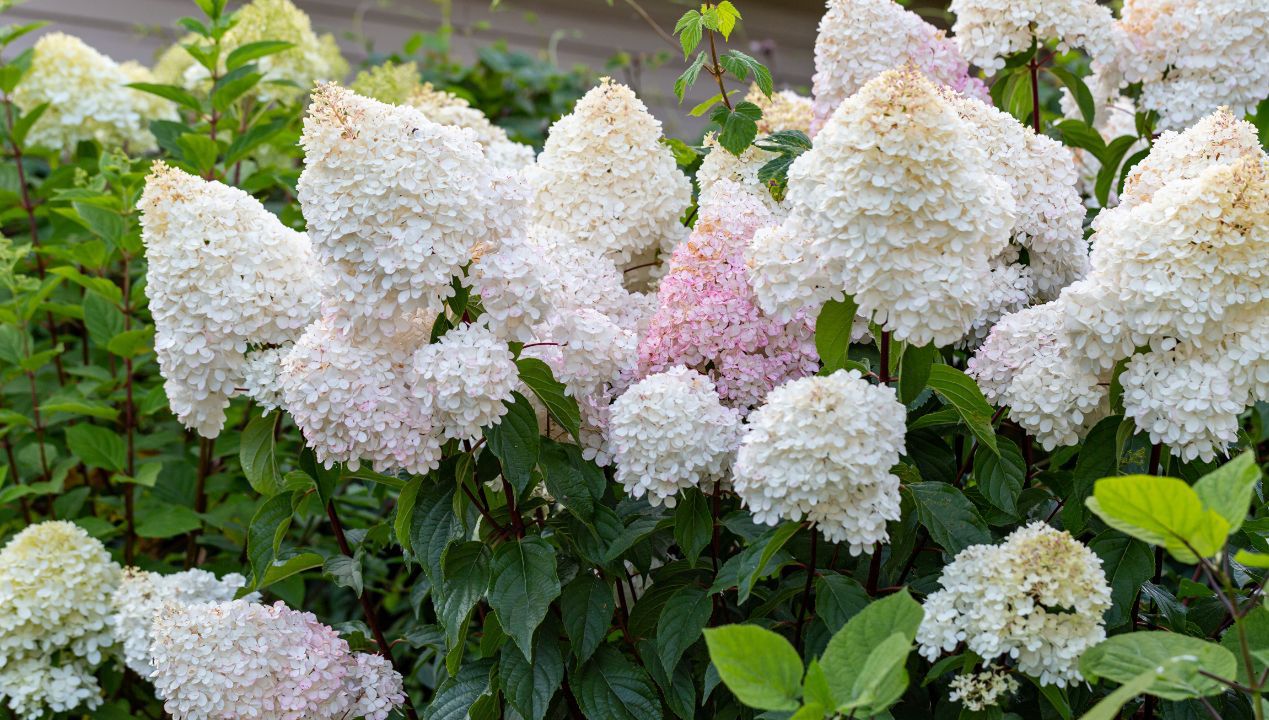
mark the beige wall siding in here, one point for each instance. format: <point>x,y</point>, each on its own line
<point>588,32</point>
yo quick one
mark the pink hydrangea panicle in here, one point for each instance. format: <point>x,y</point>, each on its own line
<point>707,317</point>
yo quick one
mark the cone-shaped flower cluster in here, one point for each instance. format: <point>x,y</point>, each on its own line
<point>707,317</point>
<point>225,276</point>
<point>464,379</point>
<point>895,205</point>
<point>1194,56</point>
<point>1050,215</point>
<point>239,659</point>
<point>1179,270</point>
<point>670,432</point>
<point>55,586</point>
<point>86,98</point>
<point>859,39</point>
<point>604,180</point>
<point>1036,598</point>
<point>789,468</point>
<point>447,108</point>
<point>784,110</point>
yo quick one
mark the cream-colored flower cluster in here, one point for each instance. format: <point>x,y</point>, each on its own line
<point>790,467</point>
<point>239,659</point>
<point>86,98</point>
<point>605,180</point>
<point>225,277</point>
<point>860,39</point>
<point>1177,288</point>
<point>896,205</point>
<point>1036,599</point>
<point>55,587</point>
<point>670,432</point>
<point>987,31</point>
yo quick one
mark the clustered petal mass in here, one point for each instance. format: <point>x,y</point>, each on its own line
<point>670,432</point>
<point>707,317</point>
<point>86,97</point>
<point>896,205</point>
<point>789,468</point>
<point>239,659</point>
<point>141,595</point>
<point>1177,288</point>
<point>225,276</point>
<point>1050,214</point>
<point>464,380</point>
<point>859,39</point>
<point>395,204</point>
<point>987,31</point>
<point>604,180</point>
<point>978,691</point>
<point>55,587</point>
<point>1036,599</point>
<point>447,108</point>
<point>784,110</point>
<point>1194,56</point>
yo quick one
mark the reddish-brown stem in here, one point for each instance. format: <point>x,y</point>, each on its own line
<point>517,522</point>
<point>884,350</point>
<point>363,598</point>
<point>806,591</point>
<point>484,511</point>
<point>206,447</point>
<point>717,70</point>
<point>13,470</point>
<point>716,506</point>
<point>874,570</point>
<point>1034,66</point>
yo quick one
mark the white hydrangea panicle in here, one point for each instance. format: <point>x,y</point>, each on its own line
<point>447,108</point>
<point>789,468</point>
<point>589,350</point>
<point>980,690</point>
<point>1194,56</point>
<point>987,31</point>
<point>1184,399</point>
<point>239,659</point>
<point>513,283</point>
<point>395,204</point>
<point>55,587</point>
<point>1026,364</point>
<point>1036,599</point>
<point>670,432</point>
<point>604,179</point>
<point>260,377</point>
<point>142,594</point>
<point>1042,177</point>
<point>896,205</point>
<point>859,39</point>
<point>351,397</point>
<point>86,97</point>
<point>224,275</point>
<point>784,110</point>
<point>464,379</point>
<point>1218,139</point>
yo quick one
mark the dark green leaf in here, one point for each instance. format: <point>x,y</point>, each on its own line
<point>587,608</point>
<point>524,584</point>
<point>1083,96</point>
<point>613,688</point>
<point>515,442</point>
<point>169,522</point>
<point>345,571</point>
<point>264,536</point>
<point>244,54</point>
<point>529,686</point>
<point>741,65</point>
<point>455,696</point>
<point>537,376</point>
<point>97,447</point>
<point>1078,134</point>
<point>833,329</point>
<point>951,519</point>
<point>255,453</point>
<point>693,524</point>
<point>739,126</point>
<point>571,479</point>
<point>466,573</point>
<point>1000,477</point>
<point>956,388</point>
<point>178,95</point>
<point>838,598</point>
<point>433,526</point>
<point>914,370</point>
<point>682,619</point>
<point>1127,563</point>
